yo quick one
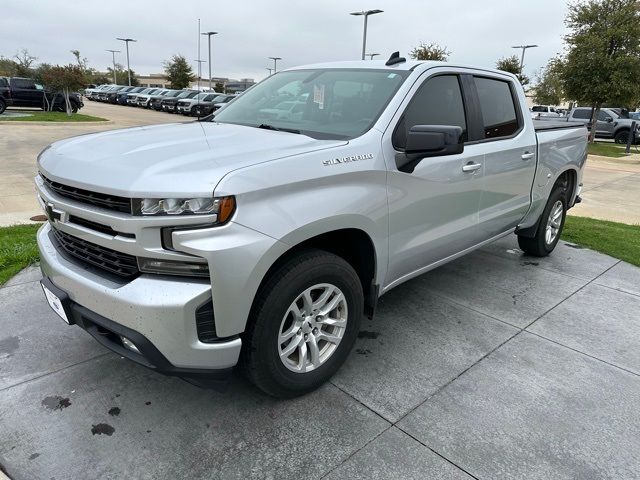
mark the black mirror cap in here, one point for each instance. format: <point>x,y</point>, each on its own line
<point>429,141</point>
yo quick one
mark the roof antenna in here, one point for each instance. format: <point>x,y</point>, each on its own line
<point>395,58</point>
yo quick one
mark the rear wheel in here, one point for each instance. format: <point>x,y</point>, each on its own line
<point>550,226</point>
<point>304,323</point>
<point>3,106</point>
<point>622,136</point>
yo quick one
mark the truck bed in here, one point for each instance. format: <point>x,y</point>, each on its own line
<point>542,125</point>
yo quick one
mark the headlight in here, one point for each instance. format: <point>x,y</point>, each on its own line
<point>222,207</point>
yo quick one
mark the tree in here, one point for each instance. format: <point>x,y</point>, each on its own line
<point>121,76</point>
<point>512,65</point>
<point>549,89</point>
<point>219,87</point>
<point>430,51</point>
<point>602,64</point>
<point>8,67</point>
<point>64,79</point>
<point>179,72</point>
<point>81,61</point>
<point>24,60</point>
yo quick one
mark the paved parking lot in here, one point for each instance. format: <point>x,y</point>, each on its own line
<point>494,366</point>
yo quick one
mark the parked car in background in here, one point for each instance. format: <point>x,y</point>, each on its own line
<point>91,93</point>
<point>207,108</point>
<point>634,116</point>
<point>102,95</point>
<point>112,95</point>
<point>122,97</point>
<point>156,101</point>
<point>192,247</point>
<point>538,111</point>
<point>25,92</point>
<point>132,97</point>
<point>142,100</point>
<point>186,105</point>
<point>609,123</point>
<point>169,104</point>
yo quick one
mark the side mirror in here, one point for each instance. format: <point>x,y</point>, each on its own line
<point>429,141</point>
<point>608,119</point>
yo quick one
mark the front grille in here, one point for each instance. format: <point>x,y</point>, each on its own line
<point>205,323</point>
<point>118,263</point>
<point>98,227</point>
<point>110,202</point>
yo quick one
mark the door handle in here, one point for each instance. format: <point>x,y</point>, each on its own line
<point>527,156</point>
<point>471,167</point>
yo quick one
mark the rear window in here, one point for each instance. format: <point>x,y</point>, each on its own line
<point>23,83</point>
<point>4,82</point>
<point>538,108</point>
<point>498,107</point>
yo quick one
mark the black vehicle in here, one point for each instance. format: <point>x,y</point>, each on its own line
<point>111,96</point>
<point>169,104</point>
<point>25,92</point>
<point>156,101</point>
<point>207,108</point>
<point>121,99</point>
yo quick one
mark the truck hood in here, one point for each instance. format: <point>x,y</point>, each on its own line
<point>183,159</point>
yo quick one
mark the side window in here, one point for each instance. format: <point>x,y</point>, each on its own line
<point>582,113</point>
<point>602,116</point>
<point>23,83</point>
<point>498,107</point>
<point>437,102</point>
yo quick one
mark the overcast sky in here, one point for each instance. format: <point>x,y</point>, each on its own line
<point>476,32</point>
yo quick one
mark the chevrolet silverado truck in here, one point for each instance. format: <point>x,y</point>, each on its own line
<point>194,247</point>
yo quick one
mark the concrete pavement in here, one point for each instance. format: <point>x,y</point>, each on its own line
<point>494,366</point>
<point>611,190</point>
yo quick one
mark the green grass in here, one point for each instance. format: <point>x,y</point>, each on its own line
<point>608,149</point>
<point>54,117</point>
<point>18,249</point>
<point>618,240</point>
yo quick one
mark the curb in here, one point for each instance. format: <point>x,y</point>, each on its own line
<point>18,122</point>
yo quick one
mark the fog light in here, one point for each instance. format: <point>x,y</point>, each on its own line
<point>129,344</point>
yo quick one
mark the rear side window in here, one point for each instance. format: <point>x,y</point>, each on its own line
<point>3,82</point>
<point>437,102</point>
<point>498,107</point>
<point>584,113</point>
<point>23,83</point>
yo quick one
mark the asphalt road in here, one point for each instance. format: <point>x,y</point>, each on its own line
<point>494,366</point>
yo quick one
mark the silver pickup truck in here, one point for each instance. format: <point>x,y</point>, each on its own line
<point>261,240</point>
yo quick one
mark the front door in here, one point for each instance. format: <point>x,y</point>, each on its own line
<point>433,210</point>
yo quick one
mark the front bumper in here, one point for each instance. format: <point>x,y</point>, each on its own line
<point>156,312</point>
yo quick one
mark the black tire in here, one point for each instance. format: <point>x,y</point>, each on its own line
<point>3,106</point>
<point>538,245</point>
<point>260,358</point>
<point>622,137</point>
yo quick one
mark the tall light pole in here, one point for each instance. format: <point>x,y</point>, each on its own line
<point>200,62</point>
<point>113,54</point>
<point>371,55</point>
<point>270,70</point>
<point>524,49</point>
<point>365,14</point>
<point>275,63</point>
<point>208,34</point>
<point>126,41</point>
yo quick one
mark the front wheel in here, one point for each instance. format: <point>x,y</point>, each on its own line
<point>550,226</point>
<point>622,137</point>
<point>303,325</point>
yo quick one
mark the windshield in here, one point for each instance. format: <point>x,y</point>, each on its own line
<point>327,103</point>
<point>186,94</point>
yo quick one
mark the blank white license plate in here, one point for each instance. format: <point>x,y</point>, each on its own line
<point>55,303</point>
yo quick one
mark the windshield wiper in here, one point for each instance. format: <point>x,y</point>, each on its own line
<point>278,129</point>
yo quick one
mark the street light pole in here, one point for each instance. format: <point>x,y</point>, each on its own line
<point>524,49</point>
<point>371,55</point>
<point>113,54</point>
<point>126,41</point>
<point>200,62</point>
<point>208,34</point>
<point>365,14</point>
<point>275,63</point>
<point>270,70</point>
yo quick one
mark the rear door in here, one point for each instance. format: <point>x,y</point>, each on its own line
<point>433,211</point>
<point>510,155</point>
<point>25,93</point>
